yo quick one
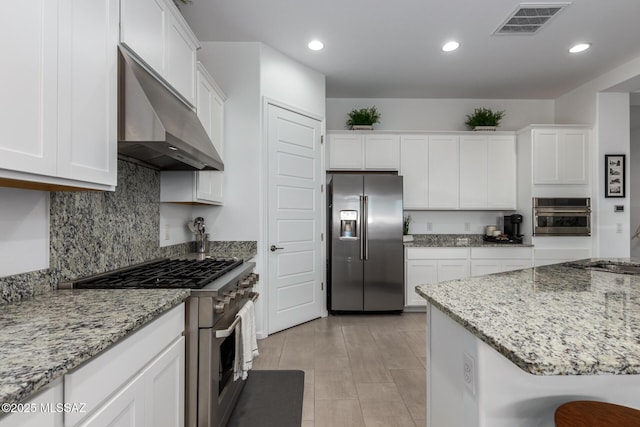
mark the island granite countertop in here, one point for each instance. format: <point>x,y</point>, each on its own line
<point>46,336</point>
<point>562,319</point>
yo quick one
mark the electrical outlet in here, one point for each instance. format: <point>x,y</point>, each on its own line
<point>429,226</point>
<point>166,232</point>
<point>467,226</point>
<point>469,373</point>
<point>619,228</point>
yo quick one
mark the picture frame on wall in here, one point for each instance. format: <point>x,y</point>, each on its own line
<point>614,185</point>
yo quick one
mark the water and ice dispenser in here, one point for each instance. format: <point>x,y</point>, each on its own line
<point>349,224</point>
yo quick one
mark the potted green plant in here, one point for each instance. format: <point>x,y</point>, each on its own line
<point>363,118</point>
<point>484,119</point>
<point>406,237</point>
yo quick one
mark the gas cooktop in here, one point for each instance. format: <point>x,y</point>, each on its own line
<point>162,273</point>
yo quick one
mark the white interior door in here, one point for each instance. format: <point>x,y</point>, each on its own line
<point>294,218</point>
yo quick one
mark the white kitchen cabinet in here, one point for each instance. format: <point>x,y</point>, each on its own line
<point>443,167</point>
<point>35,411</point>
<point>60,110</point>
<point>200,187</point>
<point>497,259</point>
<point>414,156</point>
<point>432,265</point>
<point>158,35</point>
<point>353,151</point>
<point>560,156</point>
<point>487,172</point>
<point>141,379</point>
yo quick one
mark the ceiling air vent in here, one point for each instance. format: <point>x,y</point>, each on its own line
<point>528,18</point>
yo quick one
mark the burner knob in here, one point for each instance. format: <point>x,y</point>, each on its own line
<point>219,307</point>
<point>230,294</point>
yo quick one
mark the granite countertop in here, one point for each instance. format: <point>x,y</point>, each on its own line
<point>551,320</point>
<point>457,241</point>
<point>46,336</point>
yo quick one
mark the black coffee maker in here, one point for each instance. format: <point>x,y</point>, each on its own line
<point>512,227</point>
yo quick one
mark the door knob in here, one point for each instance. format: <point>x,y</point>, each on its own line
<point>274,248</point>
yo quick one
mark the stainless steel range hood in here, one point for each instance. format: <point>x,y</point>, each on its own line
<point>156,127</point>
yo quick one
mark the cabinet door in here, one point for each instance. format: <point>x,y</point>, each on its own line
<point>546,152</point>
<point>346,152</point>
<point>164,384</point>
<point>39,415</point>
<point>29,74</point>
<point>87,88</point>
<point>443,172</point>
<point>209,187</point>
<point>514,264</point>
<point>485,266</point>
<point>501,172</point>
<point>473,172</point>
<point>574,156</point>
<point>381,152</point>
<point>419,272</point>
<point>414,155</point>
<point>181,61</point>
<point>125,409</point>
<point>452,269</point>
<point>142,29</point>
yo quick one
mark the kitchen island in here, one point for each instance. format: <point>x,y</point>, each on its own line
<point>507,349</point>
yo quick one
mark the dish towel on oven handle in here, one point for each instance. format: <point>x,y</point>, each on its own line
<point>246,341</point>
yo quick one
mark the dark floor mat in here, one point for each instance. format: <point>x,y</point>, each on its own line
<point>270,399</point>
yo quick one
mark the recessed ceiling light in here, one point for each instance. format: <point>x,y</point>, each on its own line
<point>580,47</point>
<point>316,45</point>
<point>171,147</point>
<point>450,46</point>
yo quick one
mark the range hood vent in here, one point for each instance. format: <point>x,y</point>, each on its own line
<point>528,18</point>
<point>157,128</point>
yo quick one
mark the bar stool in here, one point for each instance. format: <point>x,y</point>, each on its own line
<point>587,413</point>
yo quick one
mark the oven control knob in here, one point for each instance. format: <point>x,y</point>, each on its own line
<point>219,307</point>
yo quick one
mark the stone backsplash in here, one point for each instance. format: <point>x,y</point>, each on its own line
<point>92,232</point>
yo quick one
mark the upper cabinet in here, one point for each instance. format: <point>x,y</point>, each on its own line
<point>200,187</point>
<point>59,98</point>
<point>458,171</point>
<point>158,35</point>
<point>560,156</point>
<point>356,151</point>
<point>487,172</point>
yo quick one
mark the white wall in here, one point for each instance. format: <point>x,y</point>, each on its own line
<point>454,222</point>
<point>24,231</point>
<point>236,69</point>
<point>634,182</point>
<point>173,220</point>
<point>287,81</point>
<point>579,105</point>
<point>440,114</point>
<point>613,118</point>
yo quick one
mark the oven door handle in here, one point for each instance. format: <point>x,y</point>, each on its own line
<point>223,333</point>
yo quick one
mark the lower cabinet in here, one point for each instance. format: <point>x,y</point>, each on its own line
<point>433,265</point>
<point>496,260</point>
<point>39,411</point>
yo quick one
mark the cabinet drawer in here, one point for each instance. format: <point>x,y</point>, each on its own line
<point>96,380</point>
<point>501,253</point>
<point>437,253</point>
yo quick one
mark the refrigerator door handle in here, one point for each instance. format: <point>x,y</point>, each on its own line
<point>360,228</point>
<point>365,225</point>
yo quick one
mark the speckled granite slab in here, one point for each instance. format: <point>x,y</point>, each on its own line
<point>456,240</point>
<point>44,337</point>
<point>550,320</point>
<point>235,249</point>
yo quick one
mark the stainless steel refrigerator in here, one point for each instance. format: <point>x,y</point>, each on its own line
<point>366,254</point>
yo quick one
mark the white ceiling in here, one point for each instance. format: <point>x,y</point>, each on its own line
<point>391,49</point>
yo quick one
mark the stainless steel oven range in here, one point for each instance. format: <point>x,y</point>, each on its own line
<point>219,288</point>
<point>561,216</point>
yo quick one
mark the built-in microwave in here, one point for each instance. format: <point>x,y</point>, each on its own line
<point>561,216</point>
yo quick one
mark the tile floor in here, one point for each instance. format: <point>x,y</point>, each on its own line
<point>360,370</point>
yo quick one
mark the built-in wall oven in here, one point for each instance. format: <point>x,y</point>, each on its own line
<point>561,216</point>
